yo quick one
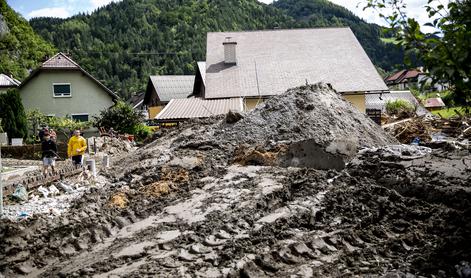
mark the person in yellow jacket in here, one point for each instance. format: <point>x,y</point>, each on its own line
<point>76,147</point>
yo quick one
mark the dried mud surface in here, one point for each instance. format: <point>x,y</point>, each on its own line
<point>184,206</point>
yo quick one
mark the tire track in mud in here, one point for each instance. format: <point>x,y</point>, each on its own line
<point>187,238</point>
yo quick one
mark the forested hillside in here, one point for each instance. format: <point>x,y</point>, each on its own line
<point>21,48</point>
<point>123,43</point>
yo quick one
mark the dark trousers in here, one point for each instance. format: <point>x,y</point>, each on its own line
<point>77,159</point>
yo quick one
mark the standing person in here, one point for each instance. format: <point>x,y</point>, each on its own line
<point>49,153</point>
<point>53,135</point>
<point>42,133</point>
<point>76,147</point>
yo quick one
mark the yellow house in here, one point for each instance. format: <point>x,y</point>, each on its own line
<point>357,99</point>
<point>255,65</point>
<point>60,87</point>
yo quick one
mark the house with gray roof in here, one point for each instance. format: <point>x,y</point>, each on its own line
<point>7,83</point>
<point>258,64</point>
<point>163,88</point>
<point>60,87</point>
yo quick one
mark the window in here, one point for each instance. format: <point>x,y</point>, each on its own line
<point>80,117</point>
<point>62,90</point>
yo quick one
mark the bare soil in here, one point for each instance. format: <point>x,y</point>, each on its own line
<point>221,200</point>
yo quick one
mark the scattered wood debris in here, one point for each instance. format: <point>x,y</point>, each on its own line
<point>426,127</point>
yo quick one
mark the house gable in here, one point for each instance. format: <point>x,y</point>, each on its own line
<point>77,91</point>
<point>86,97</point>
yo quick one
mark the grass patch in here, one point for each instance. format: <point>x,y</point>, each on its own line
<point>450,112</point>
<point>432,95</point>
<point>399,106</point>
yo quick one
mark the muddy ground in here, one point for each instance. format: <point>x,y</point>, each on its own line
<point>198,203</point>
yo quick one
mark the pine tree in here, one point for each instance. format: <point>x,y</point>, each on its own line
<point>13,115</point>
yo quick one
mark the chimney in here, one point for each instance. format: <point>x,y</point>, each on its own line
<point>230,57</point>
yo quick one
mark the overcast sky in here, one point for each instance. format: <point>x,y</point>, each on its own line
<point>66,8</point>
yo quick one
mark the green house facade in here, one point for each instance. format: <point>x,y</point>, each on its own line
<point>60,87</point>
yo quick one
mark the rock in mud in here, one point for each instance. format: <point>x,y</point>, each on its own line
<point>233,117</point>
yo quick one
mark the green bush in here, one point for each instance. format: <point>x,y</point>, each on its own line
<point>142,132</point>
<point>62,125</point>
<point>13,115</point>
<point>121,117</point>
<point>399,106</point>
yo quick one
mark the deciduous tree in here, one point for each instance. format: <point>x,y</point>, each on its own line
<point>445,51</point>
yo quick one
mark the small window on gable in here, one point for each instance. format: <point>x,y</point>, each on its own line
<point>62,90</point>
<point>80,117</point>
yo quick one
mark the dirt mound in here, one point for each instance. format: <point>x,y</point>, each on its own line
<point>192,204</point>
<point>313,112</point>
<point>312,121</point>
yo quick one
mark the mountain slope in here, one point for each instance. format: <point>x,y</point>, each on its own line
<point>123,43</point>
<point>21,48</point>
<point>323,13</point>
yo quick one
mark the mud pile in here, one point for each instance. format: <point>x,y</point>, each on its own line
<point>192,204</point>
<point>290,129</point>
<point>382,215</point>
<point>315,112</point>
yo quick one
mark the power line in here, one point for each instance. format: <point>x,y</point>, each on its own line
<point>134,53</point>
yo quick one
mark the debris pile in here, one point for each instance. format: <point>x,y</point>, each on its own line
<point>112,145</point>
<point>49,201</point>
<point>218,200</point>
<point>430,128</point>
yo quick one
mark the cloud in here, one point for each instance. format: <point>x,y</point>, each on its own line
<point>100,3</point>
<point>50,12</point>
